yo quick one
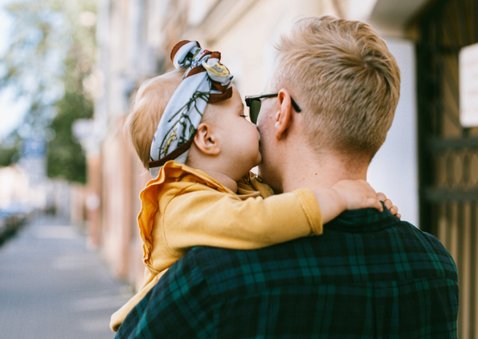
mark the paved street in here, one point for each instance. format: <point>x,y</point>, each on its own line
<point>52,286</point>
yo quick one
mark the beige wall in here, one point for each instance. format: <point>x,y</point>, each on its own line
<point>246,40</point>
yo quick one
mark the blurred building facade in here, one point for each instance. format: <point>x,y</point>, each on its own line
<point>446,32</point>
<point>135,37</point>
<point>25,186</point>
<point>14,184</point>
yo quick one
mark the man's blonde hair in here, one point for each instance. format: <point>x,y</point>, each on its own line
<point>345,80</point>
<point>148,107</point>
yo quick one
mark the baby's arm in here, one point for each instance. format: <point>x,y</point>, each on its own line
<point>346,195</point>
<point>212,218</point>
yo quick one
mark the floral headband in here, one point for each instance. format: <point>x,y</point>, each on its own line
<point>205,80</point>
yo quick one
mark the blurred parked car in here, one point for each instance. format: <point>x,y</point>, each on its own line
<point>12,218</point>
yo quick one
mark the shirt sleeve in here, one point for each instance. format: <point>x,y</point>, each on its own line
<point>212,218</point>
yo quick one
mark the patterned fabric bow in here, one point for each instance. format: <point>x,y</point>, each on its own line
<point>205,80</point>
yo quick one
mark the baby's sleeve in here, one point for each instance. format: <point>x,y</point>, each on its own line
<point>212,218</point>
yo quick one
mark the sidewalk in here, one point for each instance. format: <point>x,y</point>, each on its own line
<point>52,286</point>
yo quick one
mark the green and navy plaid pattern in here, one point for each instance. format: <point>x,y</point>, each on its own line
<point>369,275</point>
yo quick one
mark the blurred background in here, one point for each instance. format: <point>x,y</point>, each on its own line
<point>68,71</point>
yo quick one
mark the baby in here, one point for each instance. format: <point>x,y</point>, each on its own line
<point>189,129</point>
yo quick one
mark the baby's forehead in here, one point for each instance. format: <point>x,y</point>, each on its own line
<point>236,97</point>
<point>235,91</point>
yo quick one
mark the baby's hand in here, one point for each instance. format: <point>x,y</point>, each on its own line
<point>349,195</point>
<point>357,194</point>
<point>389,204</point>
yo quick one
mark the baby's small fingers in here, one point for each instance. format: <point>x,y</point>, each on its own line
<point>388,204</point>
<point>375,203</point>
<point>394,210</point>
<point>381,196</point>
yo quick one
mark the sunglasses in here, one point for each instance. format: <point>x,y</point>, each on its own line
<point>254,103</point>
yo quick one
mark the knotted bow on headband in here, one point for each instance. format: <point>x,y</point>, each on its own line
<point>205,80</point>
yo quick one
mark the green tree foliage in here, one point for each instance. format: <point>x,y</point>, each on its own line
<point>32,62</point>
<point>51,52</point>
<point>10,149</point>
<point>8,155</point>
<point>65,157</point>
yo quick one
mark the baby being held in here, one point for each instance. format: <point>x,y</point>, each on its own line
<point>189,129</point>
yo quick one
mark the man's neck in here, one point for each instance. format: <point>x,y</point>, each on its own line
<point>320,172</point>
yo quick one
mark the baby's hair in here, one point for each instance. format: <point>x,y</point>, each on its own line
<point>148,107</point>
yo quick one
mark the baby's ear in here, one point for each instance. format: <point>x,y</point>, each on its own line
<point>205,140</point>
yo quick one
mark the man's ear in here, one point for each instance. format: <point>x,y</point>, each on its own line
<point>205,140</point>
<point>283,116</point>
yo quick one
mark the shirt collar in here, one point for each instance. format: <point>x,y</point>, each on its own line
<point>363,221</point>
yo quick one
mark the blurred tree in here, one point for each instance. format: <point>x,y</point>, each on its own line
<point>10,149</point>
<point>51,49</point>
<point>65,156</point>
<point>31,63</point>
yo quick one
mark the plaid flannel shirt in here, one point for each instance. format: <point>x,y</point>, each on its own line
<point>369,275</point>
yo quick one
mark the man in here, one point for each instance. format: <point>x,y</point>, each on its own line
<point>370,275</point>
